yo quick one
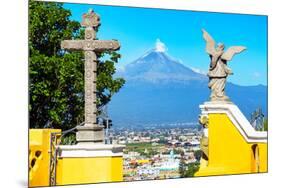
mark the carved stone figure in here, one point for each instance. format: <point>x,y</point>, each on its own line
<point>91,132</point>
<point>218,70</point>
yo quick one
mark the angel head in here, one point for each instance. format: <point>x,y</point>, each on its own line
<point>220,46</point>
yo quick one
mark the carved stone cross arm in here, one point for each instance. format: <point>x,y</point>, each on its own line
<point>91,132</point>
<point>92,45</point>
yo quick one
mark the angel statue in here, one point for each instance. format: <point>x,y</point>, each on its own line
<point>218,70</point>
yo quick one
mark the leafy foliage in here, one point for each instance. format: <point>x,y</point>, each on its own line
<point>56,87</point>
<point>198,154</point>
<point>68,140</point>
<point>192,168</point>
<point>189,169</point>
<point>182,165</point>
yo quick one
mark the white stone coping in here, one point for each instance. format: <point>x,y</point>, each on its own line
<point>90,150</point>
<point>237,118</point>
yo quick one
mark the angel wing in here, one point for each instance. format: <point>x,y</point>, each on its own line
<point>232,51</point>
<point>210,43</point>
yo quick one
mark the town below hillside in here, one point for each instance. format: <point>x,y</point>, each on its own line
<point>157,153</point>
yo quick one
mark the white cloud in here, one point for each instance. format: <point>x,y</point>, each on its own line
<point>160,46</point>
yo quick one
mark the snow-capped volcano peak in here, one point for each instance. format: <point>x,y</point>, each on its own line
<point>157,66</point>
<point>160,46</point>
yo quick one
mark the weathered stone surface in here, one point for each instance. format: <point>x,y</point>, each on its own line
<point>219,71</point>
<point>93,45</point>
<point>90,19</point>
<point>90,132</point>
<point>90,88</point>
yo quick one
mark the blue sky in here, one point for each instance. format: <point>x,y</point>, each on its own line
<point>138,29</point>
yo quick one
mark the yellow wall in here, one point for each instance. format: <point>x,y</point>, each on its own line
<point>229,152</point>
<point>89,170</point>
<point>39,158</point>
<point>69,170</point>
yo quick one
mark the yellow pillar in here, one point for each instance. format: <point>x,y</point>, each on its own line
<point>39,156</point>
<point>75,164</point>
<point>234,147</point>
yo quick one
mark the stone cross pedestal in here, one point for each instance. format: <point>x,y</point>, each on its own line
<point>91,132</point>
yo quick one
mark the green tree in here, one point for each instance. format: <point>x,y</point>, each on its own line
<point>187,169</point>
<point>198,154</point>
<point>192,168</point>
<point>182,165</point>
<point>56,78</point>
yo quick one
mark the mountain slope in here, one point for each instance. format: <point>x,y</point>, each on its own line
<point>158,67</point>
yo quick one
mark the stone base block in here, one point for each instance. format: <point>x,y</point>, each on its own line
<point>90,134</point>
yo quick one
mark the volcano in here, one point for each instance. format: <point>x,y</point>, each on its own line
<point>160,90</point>
<point>157,67</point>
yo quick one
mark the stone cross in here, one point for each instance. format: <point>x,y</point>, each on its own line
<point>91,132</point>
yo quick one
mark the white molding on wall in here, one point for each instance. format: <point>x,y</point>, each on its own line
<point>90,150</point>
<point>237,118</point>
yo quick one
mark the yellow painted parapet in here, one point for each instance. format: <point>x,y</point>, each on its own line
<point>89,170</point>
<point>96,163</point>
<point>230,144</point>
<point>72,164</point>
<point>39,156</point>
